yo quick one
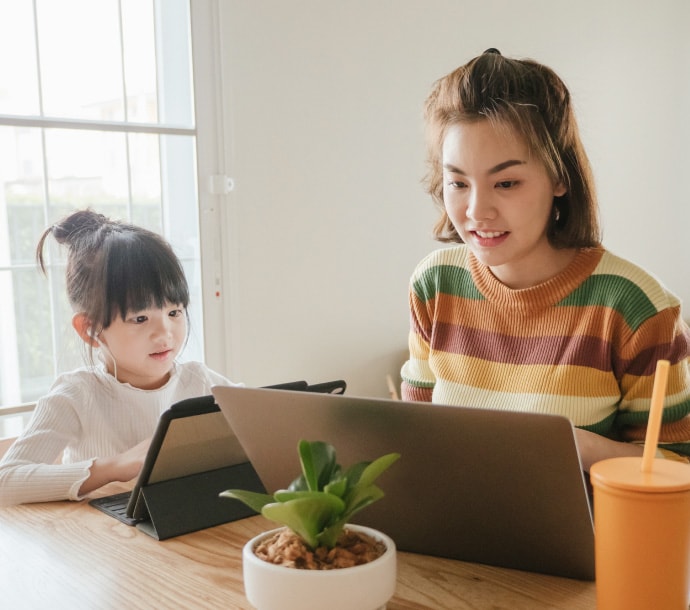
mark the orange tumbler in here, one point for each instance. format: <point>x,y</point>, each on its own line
<point>642,534</point>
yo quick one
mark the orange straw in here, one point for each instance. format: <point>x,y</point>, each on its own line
<point>654,422</point>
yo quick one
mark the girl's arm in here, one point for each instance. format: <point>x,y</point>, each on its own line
<point>30,470</point>
<point>123,467</point>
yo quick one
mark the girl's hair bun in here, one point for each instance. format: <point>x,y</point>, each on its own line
<point>73,228</point>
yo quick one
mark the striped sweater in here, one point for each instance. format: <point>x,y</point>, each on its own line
<point>584,344</point>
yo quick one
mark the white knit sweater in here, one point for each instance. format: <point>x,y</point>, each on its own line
<point>88,414</point>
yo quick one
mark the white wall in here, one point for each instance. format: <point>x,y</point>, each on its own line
<point>323,135</point>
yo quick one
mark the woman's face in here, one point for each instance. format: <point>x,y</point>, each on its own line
<point>499,198</point>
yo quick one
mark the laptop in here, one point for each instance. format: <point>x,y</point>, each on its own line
<point>193,456</point>
<point>486,486</point>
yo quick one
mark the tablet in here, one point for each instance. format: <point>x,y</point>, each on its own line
<point>194,454</point>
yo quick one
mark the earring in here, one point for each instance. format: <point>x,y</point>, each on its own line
<point>556,214</point>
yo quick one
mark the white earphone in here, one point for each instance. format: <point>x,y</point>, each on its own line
<point>90,332</point>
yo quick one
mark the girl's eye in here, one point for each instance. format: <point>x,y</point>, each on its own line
<point>139,319</point>
<point>175,313</point>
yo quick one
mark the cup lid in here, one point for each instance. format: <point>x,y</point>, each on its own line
<point>626,473</point>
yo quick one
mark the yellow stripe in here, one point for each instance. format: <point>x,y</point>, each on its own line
<point>522,378</point>
<point>418,347</point>
<point>583,412</point>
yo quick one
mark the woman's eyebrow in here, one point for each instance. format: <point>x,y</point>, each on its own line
<point>494,170</point>
<point>506,165</point>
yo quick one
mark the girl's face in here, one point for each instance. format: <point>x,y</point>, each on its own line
<point>144,345</point>
<point>499,198</point>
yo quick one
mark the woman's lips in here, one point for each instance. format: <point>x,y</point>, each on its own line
<point>489,238</point>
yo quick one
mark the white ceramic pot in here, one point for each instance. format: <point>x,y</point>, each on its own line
<point>364,587</point>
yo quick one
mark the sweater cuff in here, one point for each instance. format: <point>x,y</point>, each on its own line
<point>672,455</point>
<point>73,493</point>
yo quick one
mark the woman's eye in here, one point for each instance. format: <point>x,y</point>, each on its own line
<point>506,184</point>
<point>456,184</point>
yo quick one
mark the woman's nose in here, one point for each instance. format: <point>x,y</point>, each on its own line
<point>480,206</point>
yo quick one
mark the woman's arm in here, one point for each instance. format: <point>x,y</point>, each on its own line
<point>594,448</point>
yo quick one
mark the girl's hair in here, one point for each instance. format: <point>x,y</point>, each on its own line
<point>530,100</point>
<point>114,268</point>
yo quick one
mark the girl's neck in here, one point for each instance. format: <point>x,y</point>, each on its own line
<point>140,382</point>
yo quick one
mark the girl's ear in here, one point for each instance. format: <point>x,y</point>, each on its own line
<point>84,329</point>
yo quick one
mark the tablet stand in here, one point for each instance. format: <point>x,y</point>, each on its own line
<point>191,503</point>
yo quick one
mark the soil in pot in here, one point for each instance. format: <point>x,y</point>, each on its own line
<point>287,549</point>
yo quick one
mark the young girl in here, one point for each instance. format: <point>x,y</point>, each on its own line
<point>530,313</point>
<point>130,296</point>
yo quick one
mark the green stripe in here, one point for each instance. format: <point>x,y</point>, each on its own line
<point>682,448</point>
<point>614,292</point>
<point>419,385</point>
<point>602,427</point>
<point>446,279</point>
<point>639,418</point>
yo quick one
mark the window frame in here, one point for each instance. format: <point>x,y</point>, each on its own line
<point>212,184</point>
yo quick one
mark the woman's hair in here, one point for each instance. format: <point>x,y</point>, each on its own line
<point>114,267</point>
<point>530,100</point>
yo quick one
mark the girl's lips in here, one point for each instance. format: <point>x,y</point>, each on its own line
<point>161,355</point>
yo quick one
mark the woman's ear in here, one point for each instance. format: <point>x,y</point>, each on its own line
<point>84,329</point>
<point>560,189</point>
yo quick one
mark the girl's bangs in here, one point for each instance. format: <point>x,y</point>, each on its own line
<point>144,279</point>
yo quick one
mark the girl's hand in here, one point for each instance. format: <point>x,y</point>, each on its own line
<point>123,467</point>
<point>130,462</point>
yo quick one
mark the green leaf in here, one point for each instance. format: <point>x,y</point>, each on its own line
<point>361,497</point>
<point>299,484</point>
<point>354,473</point>
<point>255,501</point>
<point>320,502</point>
<point>285,495</point>
<point>318,463</point>
<point>376,468</point>
<point>337,487</point>
<point>307,515</point>
<point>328,537</point>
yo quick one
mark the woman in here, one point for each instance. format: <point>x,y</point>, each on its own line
<point>530,312</point>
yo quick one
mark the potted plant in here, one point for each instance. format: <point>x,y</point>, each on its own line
<point>318,559</point>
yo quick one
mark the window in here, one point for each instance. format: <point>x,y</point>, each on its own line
<point>97,110</point>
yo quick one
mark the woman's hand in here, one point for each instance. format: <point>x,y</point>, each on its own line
<point>123,467</point>
<point>594,448</point>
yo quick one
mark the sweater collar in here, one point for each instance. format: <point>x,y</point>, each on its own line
<point>101,369</point>
<point>542,295</point>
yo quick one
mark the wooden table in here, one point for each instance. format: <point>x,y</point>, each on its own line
<point>70,555</point>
